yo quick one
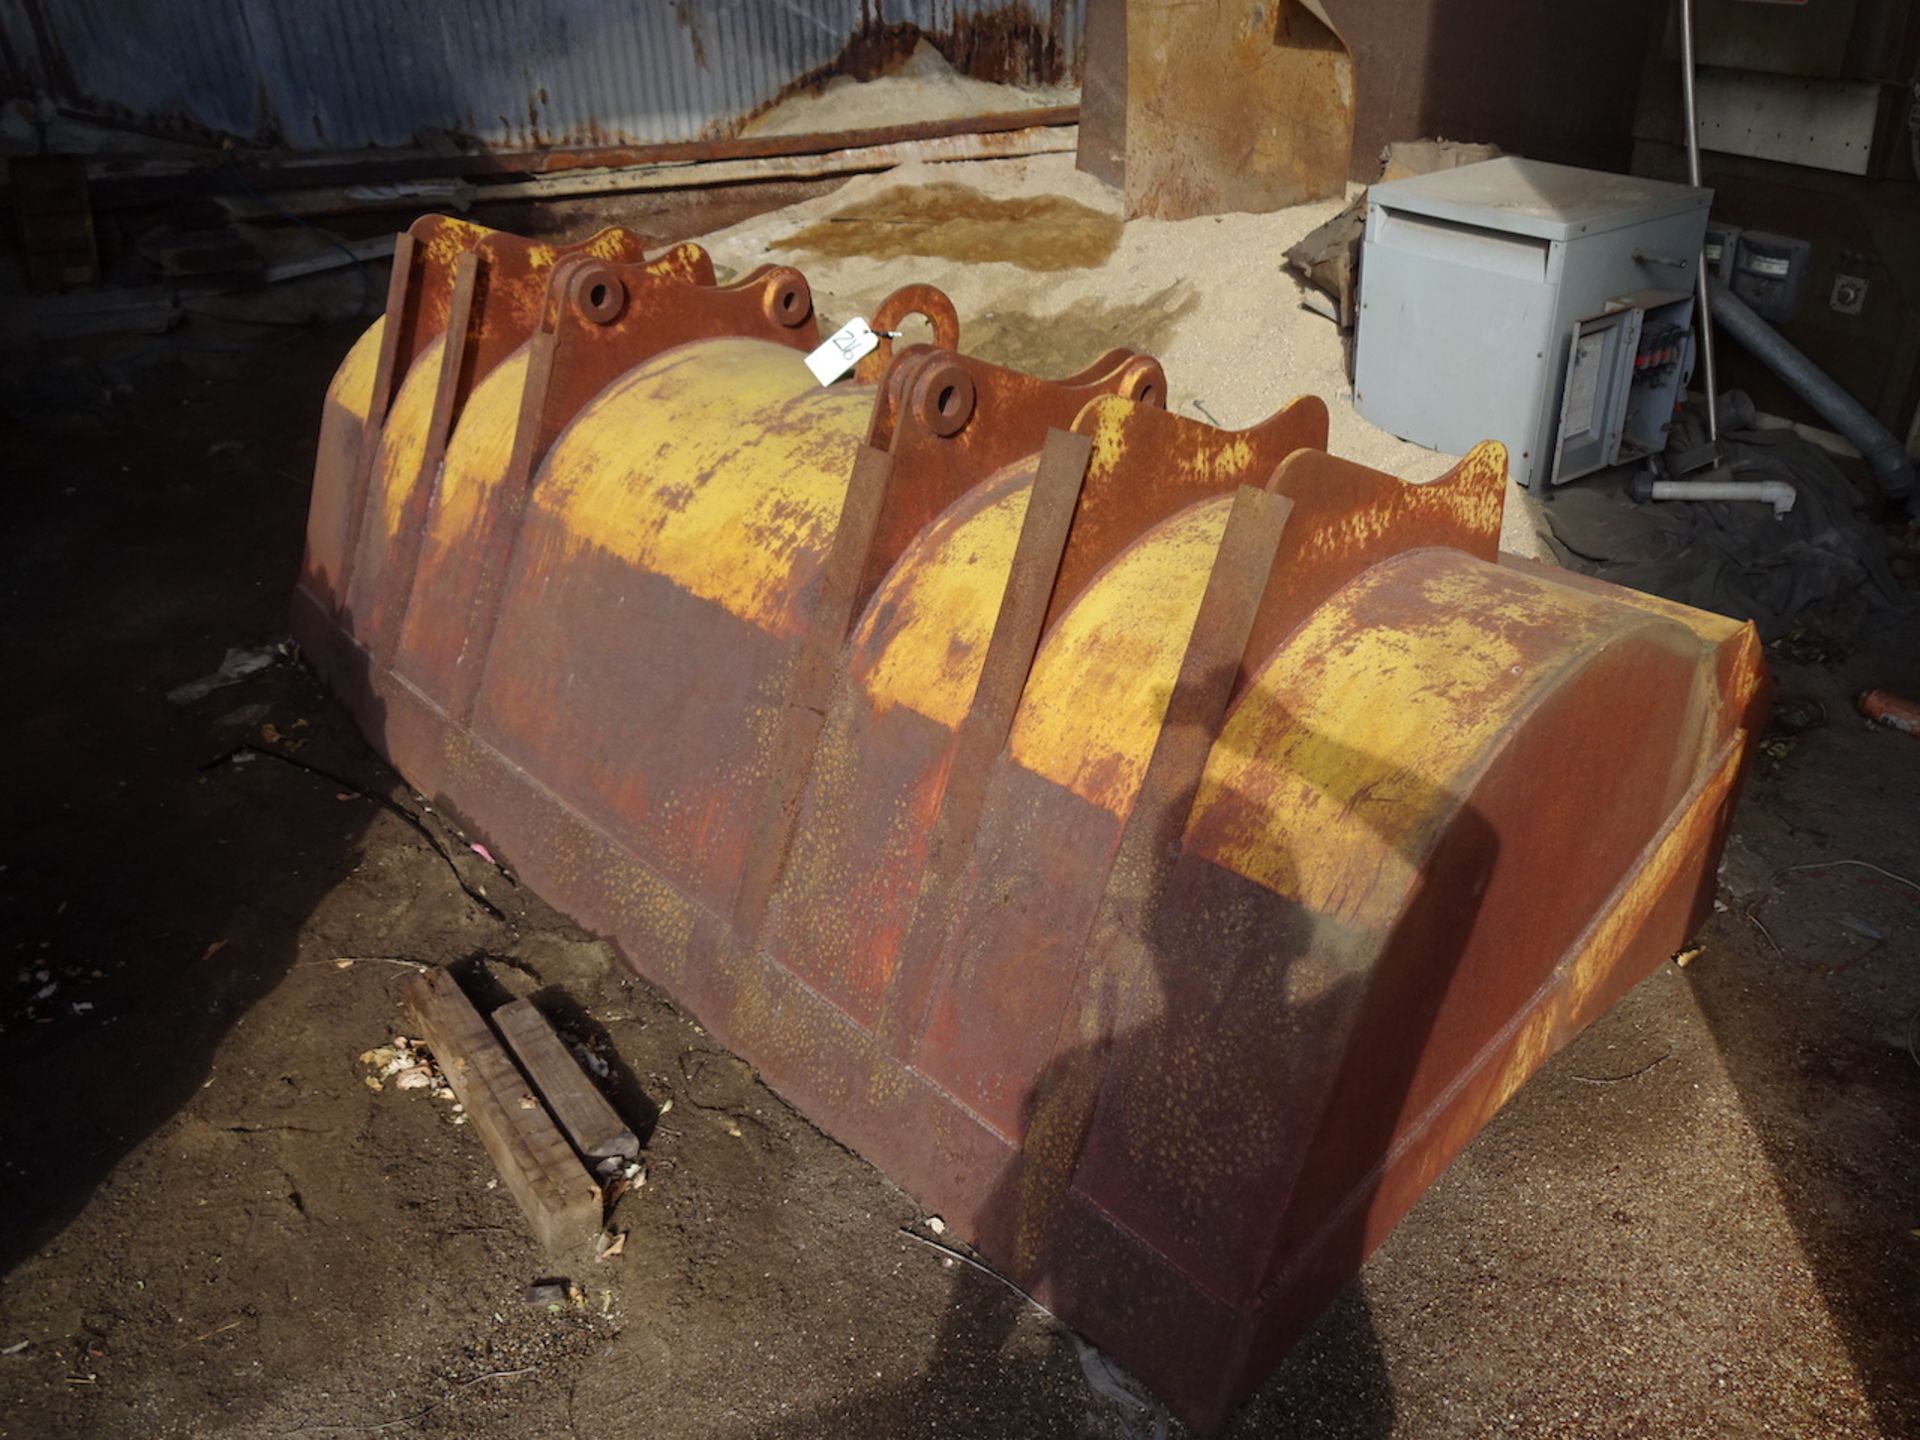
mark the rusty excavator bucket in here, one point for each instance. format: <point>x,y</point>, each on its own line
<point>1159,848</point>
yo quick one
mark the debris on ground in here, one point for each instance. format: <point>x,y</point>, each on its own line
<point>1141,1415</point>
<point>1796,714</point>
<point>1807,643</point>
<point>1861,926</point>
<point>43,992</point>
<point>630,1177</point>
<point>270,734</point>
<point>409,1064</point>
<point>1895,712</point>
<point>245,717</point>
<point>237,666</point>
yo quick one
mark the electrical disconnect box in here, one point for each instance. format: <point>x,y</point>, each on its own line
<point>1769,272</point>
<point>1543,306</point>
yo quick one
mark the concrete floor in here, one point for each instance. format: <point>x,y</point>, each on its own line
<point>1700,1220</point>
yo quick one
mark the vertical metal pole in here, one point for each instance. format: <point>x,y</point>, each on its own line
<point>1705,321</point>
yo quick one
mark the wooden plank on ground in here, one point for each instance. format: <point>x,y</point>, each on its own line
<point>561,1200</point>
<point>591,1122</point>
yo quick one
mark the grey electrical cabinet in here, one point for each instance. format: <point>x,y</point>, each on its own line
<point>1543,306</point>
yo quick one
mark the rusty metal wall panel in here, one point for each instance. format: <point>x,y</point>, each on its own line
<point>509,73</point>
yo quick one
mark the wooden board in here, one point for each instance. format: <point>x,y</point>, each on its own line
<point>591,1122</point>
<point>561,1200</point>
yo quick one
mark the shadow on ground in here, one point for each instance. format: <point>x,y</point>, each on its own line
<point>1816,1010</point>
<point>147,902</point>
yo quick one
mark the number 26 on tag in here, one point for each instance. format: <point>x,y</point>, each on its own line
<point>843,349</point>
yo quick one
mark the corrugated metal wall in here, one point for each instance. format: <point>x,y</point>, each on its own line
<point>341,74</point>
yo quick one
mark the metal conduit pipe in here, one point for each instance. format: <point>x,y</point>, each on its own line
<point>1879,445</point>
<point>1703,322</point>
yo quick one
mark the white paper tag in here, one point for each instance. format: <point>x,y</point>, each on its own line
<point>844,349</point>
